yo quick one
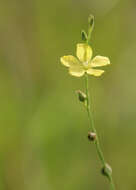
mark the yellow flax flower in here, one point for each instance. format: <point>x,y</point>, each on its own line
<point>84,63</point>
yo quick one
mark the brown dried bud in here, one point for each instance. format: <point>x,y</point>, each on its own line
<point>81,96</point>
<point>91,136</point>
<point>106,170</point>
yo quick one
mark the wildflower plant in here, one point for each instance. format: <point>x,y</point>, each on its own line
<point>83,65</point>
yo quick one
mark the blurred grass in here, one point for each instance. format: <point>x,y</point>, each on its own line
<point>43,129</point>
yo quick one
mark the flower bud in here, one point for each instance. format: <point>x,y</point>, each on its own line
<point>91,26</point>
<point>91,21</point>
<point>106,170</point>
<point>84,36</point>
<point>81,96</point>
<point>91,136</point>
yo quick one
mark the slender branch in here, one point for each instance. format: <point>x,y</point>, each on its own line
<point>106,169</point>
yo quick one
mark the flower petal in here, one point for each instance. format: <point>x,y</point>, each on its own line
<point>69,60</point>
<point>84,52</point>
<point>76,70</point>
<point>95,72</point>
<point>100,61</point>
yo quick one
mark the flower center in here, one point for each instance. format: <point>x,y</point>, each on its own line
<point>86,64</point>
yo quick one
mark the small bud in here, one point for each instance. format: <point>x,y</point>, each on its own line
<point>91,26</point>
<point>81,96</point>
<point>106,170</point>
<point>91,21</point>
<point>84,35</point>
<point>91,136</point>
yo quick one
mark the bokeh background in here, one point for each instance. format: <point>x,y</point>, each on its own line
<point>43,126</point>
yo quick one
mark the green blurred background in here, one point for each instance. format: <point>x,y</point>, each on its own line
<point>43,127</point>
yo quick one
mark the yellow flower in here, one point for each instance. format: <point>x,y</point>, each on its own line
<point>84,63</point>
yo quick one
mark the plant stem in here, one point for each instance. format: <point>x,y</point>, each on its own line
<point>97,143</point>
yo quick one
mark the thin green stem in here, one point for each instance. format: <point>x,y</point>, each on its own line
<point>97,143</point>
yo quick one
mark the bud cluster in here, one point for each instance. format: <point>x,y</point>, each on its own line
<point>87,37</point>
